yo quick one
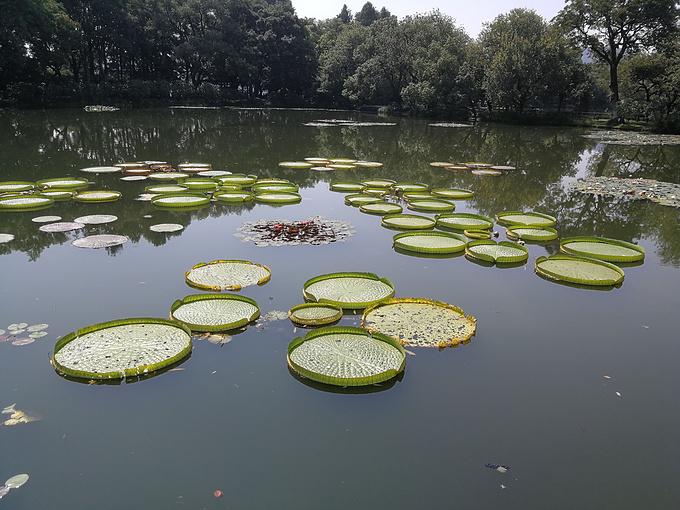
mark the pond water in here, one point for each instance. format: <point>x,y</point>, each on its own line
<point>574,389</point>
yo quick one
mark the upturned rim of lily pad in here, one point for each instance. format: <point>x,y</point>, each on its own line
<point>471,251</point>
<point>301,165</point>
<point>234,286</point>
<point>359,199</point>
<point>400,222</point>
<point>179,352</point>
<point>453,193</point>
<point>180,200</point>
<point>444,221</point>
<point>431,205</point>
<point>444,242</point>
<point>327,313</point>
<point>533,233</point>
<point>616,278</point>
<point>368,370</point>
<point>97,196</point>
<point>63,183</point>
<point>25,203</point>
<point>277,197</point>
<point>195,300</point>
<point>346,186</point>
<point>542,220</point>
<point>380,208</point>
<point>16,186</point>
<point>340,296</point>
<point>235,196</point>
<point>630,252</point>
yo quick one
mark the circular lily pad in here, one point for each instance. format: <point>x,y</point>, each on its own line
<point>6,238</point>
<point>346,356</point>
<point>25,203</point>
<point>227,275</point>
<point>16,481</point>
<point>233,196</point>
<point>101,169</point>
<point>477,233</point>
<point>463,221</point>
<point>341,166</point>
<point>503,252</point>
<point>315,314</point>
<point>378,183</point>
<point>420,322</point>
<point>405,187</point>
<point>133,178</point>
<point>346,187</point>
<point>72,183</point>
<point>200,183</point>
<point>348,290</point>
<point>122,348</point>
<point>530,218</point>
<point>407,222</point>
<point>610,250</point>
<point>531,233</point>
<point>380,208</point>
<point>16,186</point>
<point>267,187</point>
<point>359,199</point>
<point>453,193</point>
<point>298,165</point>
<point>580,270</point>
<point>277,198</point>
<point>368,164</point>
<point>97,196</point>
<point>486,171</point>
<point>431,205</point>
<point>162,189</point>
<point>214,312</point>
<point>180,201</point>
<point>241,179</point>
<point>58,194</point>
<point>100,241</point>
<point>419,195</point>
<point>45,219</point>
<point>62,226</point>
<point>96,219</point>
<point>168,176</point>
<point>430,242</point>
<point>194,167</point>
<point>166,227</point>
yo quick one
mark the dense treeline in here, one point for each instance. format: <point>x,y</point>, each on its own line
<point>152,52</point>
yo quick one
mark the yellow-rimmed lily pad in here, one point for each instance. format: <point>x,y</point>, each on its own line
<point>420,322</point>
<point>214,312</point>
<point>97,196</point>
<point>348,290</point>
<point>180,201</point>
<point>233,196</point>
<point>380,208</point>
<point>16,186</point>
<point>315,314</point>
<point>425,205</point>
<point>346,356</point>
<point>346,187</point>
<point>430,242</point>
<point>407,222</point>
<point>503,252</point>
<point>277,197</point>
<point>240,179</point>
<point>359,199</point>
<point>25,203</point>
<point>72,183</point>
<point>529,218</point>
<point>540,234</point>
<point>122,348</point>
<point>453,193</point>
<point>164,189</point>
<point>227,275</point>
<point>464,221</point>
<point>602,248</point>
<point>580,270</point>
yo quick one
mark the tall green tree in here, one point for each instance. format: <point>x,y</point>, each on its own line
<point>612,29</point>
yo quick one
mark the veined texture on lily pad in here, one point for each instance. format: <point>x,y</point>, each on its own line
<point>348,290</point>
<point>227,275</point>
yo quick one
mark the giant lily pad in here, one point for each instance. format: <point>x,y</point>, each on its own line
<point>96,219</point>
<point>200,183</point>
<point>359,199</point>
<point>16,481</point>
<point>180,201</point>
<point>227,275</point>
<point>525,218</point>
<point>277,197</point>
<point>168,176</point>
<point>420,322</point>
<point>380,208</point>
<point>6,238</point>
<point>579,270</point>
<point>240,179</point>
<point>346,356</point>
<point>348,290</point>
<point>346,187</point>
<point>463,221</point>
<point>405,187</point>
<point>100,241</point>
<point>166,227</point>
<point>62,226</point>
<point>233,196</point>
<point>58,194</point>
<point>214,312</point>
<point>25,203</point>
<point>122,348</point>
<point>101,169</point>
<point>97,196</point>
<point>541,234</point>
<point>166,188</point>
<point>315,314</point>
<point>297,165</point>
<point>72,183</point>
<point>378,183</point>
<point>16,186</point>
<point>430,242</point>
<point>407,222</point>
<point>453,193</point>
<point>425,205</point>
<point>502,253</point>
<point>610,250</point>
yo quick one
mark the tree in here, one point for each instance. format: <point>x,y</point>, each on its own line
<point>367,15</point>
<point>345,15</point>
<point>612,29</point>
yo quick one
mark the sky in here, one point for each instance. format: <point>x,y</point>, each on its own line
<point>468,14</point>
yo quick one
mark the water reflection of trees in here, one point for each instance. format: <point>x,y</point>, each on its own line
<point>41,144</point>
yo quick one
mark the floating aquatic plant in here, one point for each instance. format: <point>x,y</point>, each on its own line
<point>97,196</point>
<point>453,193</point>
<point>380,208</point>
<point>62,226</point>
<point>297,165</point>
<point>214,312</point>
<point>420,322</point>
<point>407,222</point>
<point>346,356</point>
<point>430,242</point>
<point>664,193</point>
<point>346,187</point>
<point>233,196</point>
<point>6,238</point>
<point>359,199</point>
<point>72,183</point>
<point>463,221</point>
<point>277,198</point>
<point>315,231</point>
<point>122,348</point>
<point>315,314</point>
<point>529,218</point>
<point>503,252</point>
<point>580,270</point>
<point>180,201</point>
<point>405,187</point>
<point>16,186</point>
<point>96,219</point>
<point>45,219</point>
<point>610,250</point>
<point>101,169</point>
<point>25,203</point>
<point>100,241</point>
<point>166,227</point>
<point>348,290</point>
<point>424,205</point>
<point>227,275</point>
<point>541,234</point>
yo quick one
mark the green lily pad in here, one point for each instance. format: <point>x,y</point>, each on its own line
<point>97,196</point>
<point>378,183</point>
<point>16,481</point>
<point>405,187</point>
<point>610,250</point>
<point>453,193</point>
<point>531,233</point>
<point>463,221</point>
<point>359,199</point>
<point>16,186</point>
<point>315,314</point>
<point>200,183</point>
<point>72,183</point>
<point>348,290</point>
<point>486,171</point>
<point>503,252</point>
<point>407,222</point>
<point>241,179</point>
<point>380,208</point>
<point>530,218</point>
<point>122,348</point>
<point>164,189</point>
<point>346,356</point>
<point>214,312</point>
<point>25,203</point>
<point>298,165</point>
<point>368,164</point>
<point>194,168</point>
<point>168,176</point>
<point>420,322</point>
<point>586,271</point>
<point>180,201</point>
<point>100,241</point>
<point>227,275</point>
<point>277,198</point>
<point>473,233</point>
<point>96,219</point>
<point>268,187</point>
<point>100,169</point>
<point>346,187</point>
<point>431,205</point>
<point>233,196</point>
<point>58,194</point>
<point>430,242</point>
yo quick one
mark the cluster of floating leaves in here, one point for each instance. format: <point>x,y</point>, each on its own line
<point>633,138</point>
<point>16,417</point>
<point>13,483</point>
<point>347,123</point>
<point>315,231</point>
<point>664,193</point>
<point>15,333</point>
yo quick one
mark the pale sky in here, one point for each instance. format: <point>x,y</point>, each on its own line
<point>469,14</point>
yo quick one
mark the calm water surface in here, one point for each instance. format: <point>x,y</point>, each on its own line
<point>529,391</point>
